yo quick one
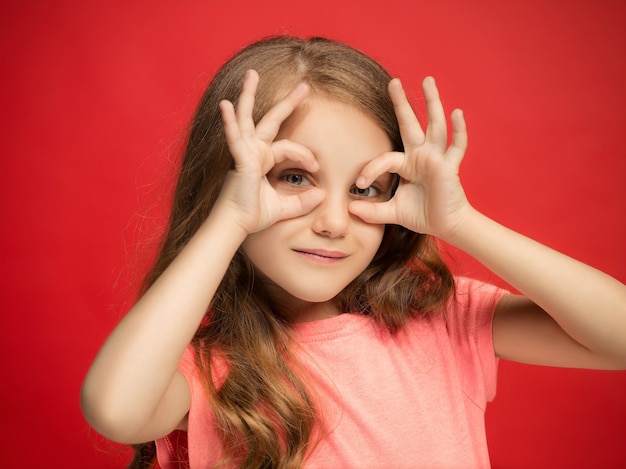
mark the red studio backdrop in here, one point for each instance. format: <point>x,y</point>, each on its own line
<point>94,99</point>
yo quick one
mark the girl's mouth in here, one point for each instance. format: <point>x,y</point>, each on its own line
<point>321,256</point>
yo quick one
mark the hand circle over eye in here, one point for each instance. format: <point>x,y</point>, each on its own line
<point>429,197</point>
<point>247,192</point>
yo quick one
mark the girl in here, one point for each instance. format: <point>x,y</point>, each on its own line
<point>299,314</point>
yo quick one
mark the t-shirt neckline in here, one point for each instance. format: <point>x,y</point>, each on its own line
<point>329,328</point>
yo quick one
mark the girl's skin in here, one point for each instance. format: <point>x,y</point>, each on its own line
<point>302,176</point>
<point>311,258</point>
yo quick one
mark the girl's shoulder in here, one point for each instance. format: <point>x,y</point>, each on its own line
<point>474,297</point>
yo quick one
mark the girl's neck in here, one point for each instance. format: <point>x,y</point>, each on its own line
<point>316,312</point>
<point>298,311</point>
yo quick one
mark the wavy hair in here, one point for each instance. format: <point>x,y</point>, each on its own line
<point>264,412</point>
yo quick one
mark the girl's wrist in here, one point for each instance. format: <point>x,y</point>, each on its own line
<point>226,222</point>
<point>465,228</point>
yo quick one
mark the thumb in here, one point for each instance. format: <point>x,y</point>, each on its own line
<point>375,213</point>
<point>301,204</point>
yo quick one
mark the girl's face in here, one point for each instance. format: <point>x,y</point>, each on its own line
<point>313,257</point>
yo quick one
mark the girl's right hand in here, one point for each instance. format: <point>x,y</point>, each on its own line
<point>247,194</point>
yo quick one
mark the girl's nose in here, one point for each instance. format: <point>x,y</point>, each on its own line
<point>332,217</point>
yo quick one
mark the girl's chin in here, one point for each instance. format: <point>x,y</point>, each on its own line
<point>299,300</point>
<point>300,294</point>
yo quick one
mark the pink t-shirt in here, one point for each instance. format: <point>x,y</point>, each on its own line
<point>415,399</point>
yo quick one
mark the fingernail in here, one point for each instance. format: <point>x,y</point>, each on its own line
<point>360,182</point>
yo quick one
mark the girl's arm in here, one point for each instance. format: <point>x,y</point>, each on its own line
<point>585,324</point>
<point>133,391</point>
<point>570,314</point>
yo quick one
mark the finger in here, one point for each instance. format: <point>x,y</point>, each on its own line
<point>410,128</point>
<point>458,146</point>
<point>436,131</point>
<point>270,123</point>
<point>245,104</point>
<point>231,127</point>
<point>389,162</point>
<point>300,204</point>
<point>289,150</point>
<point>375,213</point>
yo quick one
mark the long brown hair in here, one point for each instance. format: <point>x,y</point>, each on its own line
<point>264,413</point>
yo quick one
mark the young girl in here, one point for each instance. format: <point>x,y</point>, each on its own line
<point>299,315</point>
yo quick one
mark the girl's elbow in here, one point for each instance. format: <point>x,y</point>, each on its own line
<point>108,417</point>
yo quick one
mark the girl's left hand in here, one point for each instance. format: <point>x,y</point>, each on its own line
<point>429,198</point>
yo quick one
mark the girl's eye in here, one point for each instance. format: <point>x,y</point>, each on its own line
<point>370,191</point>
<point>296,179</point>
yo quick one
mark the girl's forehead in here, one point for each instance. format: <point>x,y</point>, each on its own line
<point>319,112</point>
<point>342,137</point>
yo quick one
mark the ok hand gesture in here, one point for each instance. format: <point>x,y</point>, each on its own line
<point>429,198</point>
<point>247,192</point>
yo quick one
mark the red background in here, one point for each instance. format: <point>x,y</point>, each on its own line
<point>94,97</point>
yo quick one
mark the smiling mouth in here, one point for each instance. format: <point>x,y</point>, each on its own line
<point>322,256</point>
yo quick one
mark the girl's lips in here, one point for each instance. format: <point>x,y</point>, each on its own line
<point>322,256</point>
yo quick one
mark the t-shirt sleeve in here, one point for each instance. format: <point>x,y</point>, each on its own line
<point>172,449</point>
<point>469,319</point>
<point>201,446</point>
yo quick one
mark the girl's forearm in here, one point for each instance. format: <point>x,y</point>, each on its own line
<point>588,304</point>
<point>138,361</point>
